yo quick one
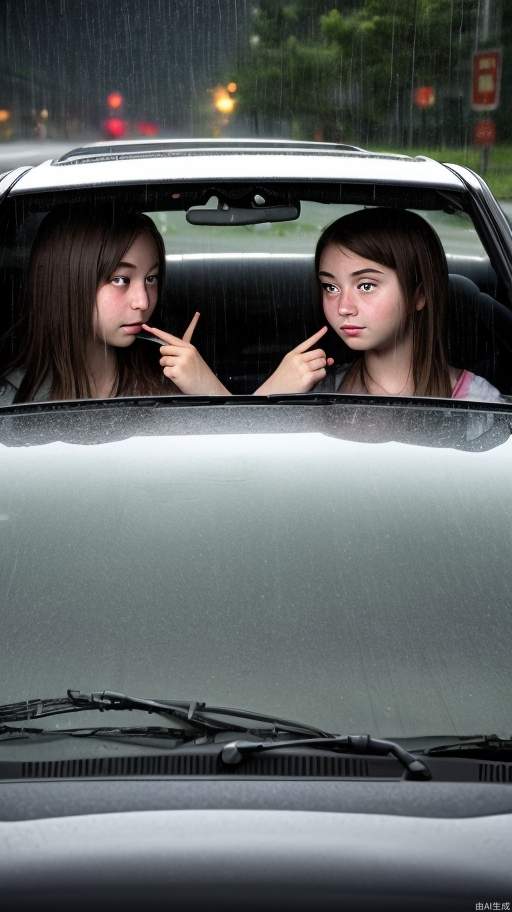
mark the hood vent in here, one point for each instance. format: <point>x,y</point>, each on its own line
<point>495,772</point>
<point>201,765</point>
<point>286,764</point>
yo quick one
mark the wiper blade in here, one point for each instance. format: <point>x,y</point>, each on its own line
<point>194,714</point>
<point>470,742</point>
<point>106,700</point>
<point>234,752</point>
<point>29,733</point>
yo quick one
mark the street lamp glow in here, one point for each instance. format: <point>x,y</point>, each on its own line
<point>223,102</point>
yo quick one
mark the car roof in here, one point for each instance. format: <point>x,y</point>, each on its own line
<point>192,160</point>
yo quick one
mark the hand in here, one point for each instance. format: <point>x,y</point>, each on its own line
<point>300,370</point>
<point>183,364</point>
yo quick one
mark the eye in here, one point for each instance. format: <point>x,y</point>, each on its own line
<point>119,281</point>
<point>366,286</point>
<point>152,279</point>
<point>329,288</point>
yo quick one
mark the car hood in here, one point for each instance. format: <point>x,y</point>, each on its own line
<point>343,563</point>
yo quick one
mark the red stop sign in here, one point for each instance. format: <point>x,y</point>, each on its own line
<point>484,133</point>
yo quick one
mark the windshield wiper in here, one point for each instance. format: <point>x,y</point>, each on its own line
<point>234,752</point>
<point>470,743</point>
<point>160,732</point>
<point>106,700</point>
<point>196,715</point>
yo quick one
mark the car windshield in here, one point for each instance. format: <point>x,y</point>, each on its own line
<point>249,273</point>
<point>256,360</point>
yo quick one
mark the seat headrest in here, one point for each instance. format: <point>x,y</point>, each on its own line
<point>479,333</point>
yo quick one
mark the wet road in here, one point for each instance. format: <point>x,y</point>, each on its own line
<point>16,154</point>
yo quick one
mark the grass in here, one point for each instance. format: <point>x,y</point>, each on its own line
<point>499,172</point>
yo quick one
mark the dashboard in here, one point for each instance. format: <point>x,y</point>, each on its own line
<point>159,843</point>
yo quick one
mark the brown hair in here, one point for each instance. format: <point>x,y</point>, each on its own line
<point>404,242</point>
<point>75,251</point>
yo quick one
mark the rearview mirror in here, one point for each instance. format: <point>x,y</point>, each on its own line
<point>255,214</point>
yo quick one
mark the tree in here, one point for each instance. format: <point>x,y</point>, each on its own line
<point>390,49</point>
<point>290,77</point>
<point>349,69</point>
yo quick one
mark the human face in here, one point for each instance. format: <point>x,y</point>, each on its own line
<point>362,300</point>
<point>129,297</point>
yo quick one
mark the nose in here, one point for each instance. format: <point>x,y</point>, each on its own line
<point>347,304</point>
<point>139,296</point>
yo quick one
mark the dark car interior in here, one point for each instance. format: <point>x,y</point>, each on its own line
<point>255,307</point>
<point>238,300</point>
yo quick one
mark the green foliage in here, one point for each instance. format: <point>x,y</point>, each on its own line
<point>499,168</point>
<point>397,47</point>
<point>289,74</point>
<point>348,69</point>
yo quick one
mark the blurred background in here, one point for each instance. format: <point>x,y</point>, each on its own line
<point>428,76</point>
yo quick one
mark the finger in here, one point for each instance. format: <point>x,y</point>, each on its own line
<point>160,334</point>
<point>187,335</point>
<point>173,350</point>
<point>308,357</point>
<point>319,374</point>
<point>316,364</point>
<point>313,378</point>
<point>316,353</point>
<point>311,341</point>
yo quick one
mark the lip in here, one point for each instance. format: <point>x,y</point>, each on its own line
<point>351,330</point>
<point>132,328</point>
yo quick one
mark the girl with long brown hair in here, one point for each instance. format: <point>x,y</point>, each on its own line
<point>95,279</point>
<point>384,285</point>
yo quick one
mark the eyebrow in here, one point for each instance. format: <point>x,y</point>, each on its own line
<point>133,265</point>
<point>356,273</point>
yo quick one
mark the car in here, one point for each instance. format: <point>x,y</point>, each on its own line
<point>256,647</point>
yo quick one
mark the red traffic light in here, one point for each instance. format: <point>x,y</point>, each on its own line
<point>115,100</point>
<point>115,127</point>
<point>147,128</point>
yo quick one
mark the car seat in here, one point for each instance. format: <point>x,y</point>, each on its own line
<point>479,333</point>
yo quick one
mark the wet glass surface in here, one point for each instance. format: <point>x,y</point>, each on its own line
<point>356,575</point>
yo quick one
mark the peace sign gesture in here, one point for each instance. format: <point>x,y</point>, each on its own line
<point>300,370</point>
<point>182,363</point>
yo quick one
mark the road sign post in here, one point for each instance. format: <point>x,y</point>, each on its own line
<point>485,96</point>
